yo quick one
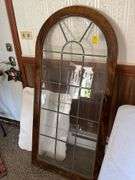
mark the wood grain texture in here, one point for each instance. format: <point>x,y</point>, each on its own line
<point>125,79</point>
<point>126,69</point>
<point>106,28</point>
<point>126,89</point>
<point>28,65</point>
<point>123,90</point>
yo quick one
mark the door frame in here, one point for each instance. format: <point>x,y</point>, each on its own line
<point>15,36</point>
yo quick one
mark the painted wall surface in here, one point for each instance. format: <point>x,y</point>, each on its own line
<point>10,91</point>
<point>30,15</point>
<point>5,33</point>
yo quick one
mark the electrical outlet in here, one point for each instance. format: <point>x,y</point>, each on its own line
<point>27,35</point>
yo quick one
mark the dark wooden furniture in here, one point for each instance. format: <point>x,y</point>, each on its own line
<point>96,107</point>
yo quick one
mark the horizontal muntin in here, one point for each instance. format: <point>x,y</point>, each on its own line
<point>78,54</point>
<point>88,120</point>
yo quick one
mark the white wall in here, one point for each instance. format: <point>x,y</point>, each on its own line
<point>5,33</point>
<point>30,15</point>
<point>10,91</point>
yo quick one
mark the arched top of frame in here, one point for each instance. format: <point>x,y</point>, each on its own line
<point>91,14</point>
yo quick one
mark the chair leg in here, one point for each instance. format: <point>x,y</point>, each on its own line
<point>4,132</point>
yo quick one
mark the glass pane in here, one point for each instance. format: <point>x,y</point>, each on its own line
<point>48,123</point>
<point>49,100</point>
<point>63,127</point>
<point>84,164</point>
<point>46,147</point>
<point>73,84</point>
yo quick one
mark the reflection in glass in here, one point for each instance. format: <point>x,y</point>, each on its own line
<point>73,81</point>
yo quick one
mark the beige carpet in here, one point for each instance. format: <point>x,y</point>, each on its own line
<point>18,162</point>
<point>3,170</point>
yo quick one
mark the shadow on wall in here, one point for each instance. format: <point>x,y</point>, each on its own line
<point>122,49</point>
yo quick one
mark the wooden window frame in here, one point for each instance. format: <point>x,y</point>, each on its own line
<point>111,40</point>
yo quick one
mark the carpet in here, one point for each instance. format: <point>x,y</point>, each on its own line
<point>18,161</point>
<point>3,170</point>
